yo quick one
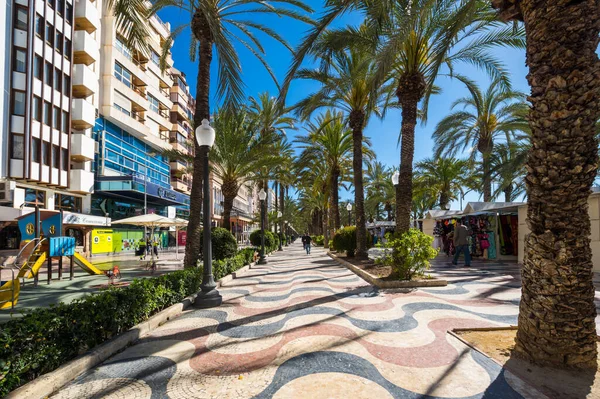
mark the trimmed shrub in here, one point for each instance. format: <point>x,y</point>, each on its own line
<point>410,254</point>
<point>248,254</point>
<point>344,240</point>
<point>224,244</point>
<point>270,240</point>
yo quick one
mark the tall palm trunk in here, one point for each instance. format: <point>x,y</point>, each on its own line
<point>193,245</point>
<point>357,121</point>
<point>230,190</point>
<point>411,88</point>
<point>325,228</point>
<point>335,199</point>
<point>508,193</point>
<point>557,312</point>
<point>444,199</point>
<point>487,177</point>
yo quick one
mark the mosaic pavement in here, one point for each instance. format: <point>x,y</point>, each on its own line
<point>303,326</point>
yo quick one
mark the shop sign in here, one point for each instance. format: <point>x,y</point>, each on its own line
<point>163,193</point>
<point>87,220</point>
<point>182,238</point>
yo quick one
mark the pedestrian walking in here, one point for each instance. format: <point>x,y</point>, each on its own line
<point>155,248</point>
<point>461,242</point>
<point>306,239</point>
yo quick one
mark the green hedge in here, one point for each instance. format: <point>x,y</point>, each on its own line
<point>223,242</point>
<point>271,241</point>
<point>46,338</point>
<point>318,240</point>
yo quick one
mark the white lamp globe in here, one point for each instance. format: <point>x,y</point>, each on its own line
<point>349,207</point>
<point>205,134</point>
<point>396,178</point>
<point>262,195</point>
<point>279,214</point>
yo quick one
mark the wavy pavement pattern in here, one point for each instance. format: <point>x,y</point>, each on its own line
<point>305,327</point>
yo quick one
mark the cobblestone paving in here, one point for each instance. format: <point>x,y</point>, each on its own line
<point>305,327</point>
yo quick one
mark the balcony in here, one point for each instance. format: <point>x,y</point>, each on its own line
<point>177,146</point>
<point>82,148</point>
<point>82,181</point>
<point>178,166</point>
<point>86,16</point>
<point>85,48</point>
<point>83,114</point>
<point>133,92</point>
<point>180,185</point>
<point>85,81</point>
<point>181,112</point>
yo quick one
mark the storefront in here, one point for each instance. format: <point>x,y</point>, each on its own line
<point>494,226</point>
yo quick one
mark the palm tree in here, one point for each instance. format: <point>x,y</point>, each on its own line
<point>557,312</point>
<point>378,183</point>
<point>507,164</point>
<point>446,177</point>
<point>486,117</point>
<point>215,27</point>
<point>425,197</point>
<point>329,142</point>
<point>273,122</point>
<point>347,83</point>
<point>415,39</point>
<point>239,150</point>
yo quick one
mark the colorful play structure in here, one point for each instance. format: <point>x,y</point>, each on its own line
<point>41,244</point>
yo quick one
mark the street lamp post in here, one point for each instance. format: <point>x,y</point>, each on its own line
<point>286,231</point>
<point>262,196</point>
<point>209,297</point>
<point>395,182</point>
<point>349,209</point>
<point>281,233</point>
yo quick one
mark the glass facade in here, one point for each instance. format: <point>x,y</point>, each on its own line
<point>128,155</point>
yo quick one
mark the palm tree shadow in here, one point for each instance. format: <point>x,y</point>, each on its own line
<point>552,382</point>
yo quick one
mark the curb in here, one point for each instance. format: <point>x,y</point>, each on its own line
<point>46,384</point>
<point>387,284</point>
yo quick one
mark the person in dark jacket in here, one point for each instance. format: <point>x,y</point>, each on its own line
<point>461,242</point>
<point>306,239</point>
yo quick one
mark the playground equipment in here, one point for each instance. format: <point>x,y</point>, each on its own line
<point>39,248</point>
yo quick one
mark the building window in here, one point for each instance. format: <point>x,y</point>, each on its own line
<point>123,48</point>
<point>60,7</point>
<point>39,26</point>
<point>65,158</point>
<point>69,12</point>
<point>67,203</point>
<point>57,116</point>
<point>153,103</point>
<point>47,113</point>
<point>35,197</point>
<point>59,42</point>
<point>35,150</point>
<point>37,108</point>
<point>51,3</point>
<point>66,85</point>
<point>67,49</point>
<point>123,110</point>
<point>57,79</point>
<point>20,57</point>
<point>49,34</point>
<point>37,67</point>
<point>21,22</point>
<point>46,153</point>
<point>122,74</point>
<point>19,103</point>
<point>48,74</point>
<point>65,121</point>
<point>56,156</point>
<point>155,57</point>
<point>17,146</point>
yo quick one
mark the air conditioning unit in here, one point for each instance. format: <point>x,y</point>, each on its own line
<point>6,188</point>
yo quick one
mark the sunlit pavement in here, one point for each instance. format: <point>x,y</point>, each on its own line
<point>305,327</point>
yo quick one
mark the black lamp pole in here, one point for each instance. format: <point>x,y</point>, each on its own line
<point>262,260</point>
<point>349,220</point>
<point>209,297</point>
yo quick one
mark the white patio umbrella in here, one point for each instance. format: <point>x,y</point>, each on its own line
<point>151,220</point>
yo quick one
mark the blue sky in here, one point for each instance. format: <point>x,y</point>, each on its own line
<point>384,134</point>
